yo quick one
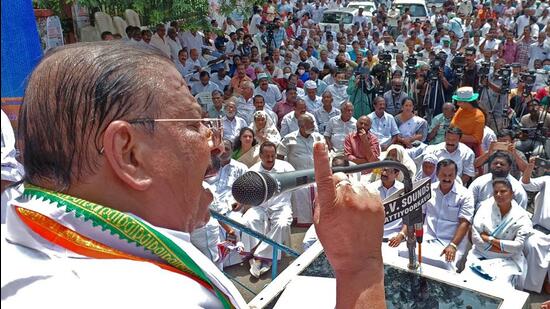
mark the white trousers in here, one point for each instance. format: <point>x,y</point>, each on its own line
<point>302,204</point>
<point>508,274</point>
<point>273,223</point>
<point>537,253</point>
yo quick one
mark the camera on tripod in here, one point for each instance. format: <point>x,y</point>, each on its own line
<point>529,80</point>
<point>504,74</point>
<point>437,64</point>
<point>410,69</point>
<point>458,64</point>
<point>484,69</point>
<point>385,58</point>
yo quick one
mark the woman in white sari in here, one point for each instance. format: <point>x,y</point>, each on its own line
<point>499,231</point>
<point>246,149</point>
<point>411,127</point>
<point>264,128</point>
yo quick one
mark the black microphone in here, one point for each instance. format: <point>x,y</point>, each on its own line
<point>254,188</point>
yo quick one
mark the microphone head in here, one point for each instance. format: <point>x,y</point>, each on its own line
<point>253,188</point>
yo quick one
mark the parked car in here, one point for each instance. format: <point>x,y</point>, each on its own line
<point>368,7</point>
<point>333,18</point>
<point>417,8</point>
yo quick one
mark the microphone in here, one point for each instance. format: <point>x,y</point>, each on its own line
<point>255,188</point>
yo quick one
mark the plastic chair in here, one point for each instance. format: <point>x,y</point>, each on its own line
<point>104,22</point>
<point>132,18</point>
<point>120,26</point>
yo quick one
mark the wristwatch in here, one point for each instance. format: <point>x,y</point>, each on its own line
<point>453,245</point>
<point>491,238</point>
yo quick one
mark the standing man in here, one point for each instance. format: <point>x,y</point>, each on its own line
<point>159,41</point>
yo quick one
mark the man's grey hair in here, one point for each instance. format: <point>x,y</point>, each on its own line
<point>303,119</point>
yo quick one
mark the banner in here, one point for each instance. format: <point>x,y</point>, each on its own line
<point>54,32</point>
<point>397,206</point>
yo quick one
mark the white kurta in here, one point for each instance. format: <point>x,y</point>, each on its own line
<point>512,230</point>
<point>272,218</point>
<point>391,228</point>
<point>482,189</point>
<point>443,212</point>
<point>35,270</point>
<point>337,130</point>
<point>289,123</point>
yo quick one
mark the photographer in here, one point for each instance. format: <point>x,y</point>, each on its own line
<point>361,89</point>
<point>505,142</point>
<point>394,97</point>
<point>533,125</point>
<point>444,76</point>
<point>493,98</point>
<point>471,75</point>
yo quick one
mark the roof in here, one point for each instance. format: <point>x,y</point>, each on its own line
<point>396,2</point>
<point>345,10</point>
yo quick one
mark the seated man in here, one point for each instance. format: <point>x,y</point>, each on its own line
<point>339,127</point>
<point>270,92</point>
<point>259,105</point>
<point>383,124</point>
<point>500,165</point>
<point>499,231</point>
<point>440,123</point>
<point>204,84</point>
<point>449,214</point>
<point>313,101</point>
<point>395,231</point>
<point>362,146</point>
<point>272,218</point>
<point>537,246</point>
<point>325,112</point>
<point>232,124</point>
<point>453,149</point>
<point>289,123</point>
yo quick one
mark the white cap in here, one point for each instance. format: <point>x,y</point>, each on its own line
<point>310,85</point>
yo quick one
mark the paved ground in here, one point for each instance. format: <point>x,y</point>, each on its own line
<point>242,275</point>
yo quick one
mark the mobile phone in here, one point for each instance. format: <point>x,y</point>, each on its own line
<point>501,146</point>
<point>540,162</point>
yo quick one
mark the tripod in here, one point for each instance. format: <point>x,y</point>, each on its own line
<point>430,101</point>
<point>493,110</point>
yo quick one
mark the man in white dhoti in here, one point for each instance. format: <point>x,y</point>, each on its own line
<point>537,246</point>
<point>499,232</point>
<point>449,214</point>
<point>297,149</point>
<point>272,218</point>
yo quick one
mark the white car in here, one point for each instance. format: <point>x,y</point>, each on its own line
<point>333,18</point>
<point>437,3</point>
<point>368,7</point>
<point>417,8</point>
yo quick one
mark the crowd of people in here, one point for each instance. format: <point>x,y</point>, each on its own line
<point>274,87</point>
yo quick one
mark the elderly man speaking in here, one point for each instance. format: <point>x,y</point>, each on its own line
<point>115,154</point>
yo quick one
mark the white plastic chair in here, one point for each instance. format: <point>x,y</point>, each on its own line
<point>120,26</point>
<point>89,34</point>
<point>104,22</point>
<point>132,18</point>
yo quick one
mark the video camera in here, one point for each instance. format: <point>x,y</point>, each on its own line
<point>458,64</point>
<point>504,75</point>
<point>484,69</point>
<point>385,57</point>
<point>410,69</point>
<point>435,65</point>
<point>529,80</point>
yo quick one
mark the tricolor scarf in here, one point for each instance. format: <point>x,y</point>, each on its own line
<point>128,228</point>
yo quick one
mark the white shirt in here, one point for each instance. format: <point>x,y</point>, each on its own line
<point>289,123</point>
<point>337,130</point>
<point>339,94</point>
<point>271,96</point>
<point>245,108</point>
<point>383,127</point>
<point>175,48</point>
<point>488,137</point>
<point>443,212</point>
<point>322,117</point>
<point>222,182</point>
<point>192,41</point>
<point>482,189</point>
<point>31,257</point>
<point>298,150</point>
<point>391,228</point>
<point>11,169</point>
<point>254,22</point>
<point>198,87</point>
<point>541,216</point>
<point>226,80</point>
<point>463,156</point>
<point>231,128</point>
<point>312,105</point>
<point>521,22</point>
<point>161,44</point>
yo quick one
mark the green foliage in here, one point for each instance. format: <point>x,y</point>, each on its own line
<point>54,5</point>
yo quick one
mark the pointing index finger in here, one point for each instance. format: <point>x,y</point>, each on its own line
<point>323,175</point>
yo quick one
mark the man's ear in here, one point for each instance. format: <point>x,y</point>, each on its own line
<point>125,152</point>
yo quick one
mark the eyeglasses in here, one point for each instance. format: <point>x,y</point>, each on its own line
<point>214,126</point>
